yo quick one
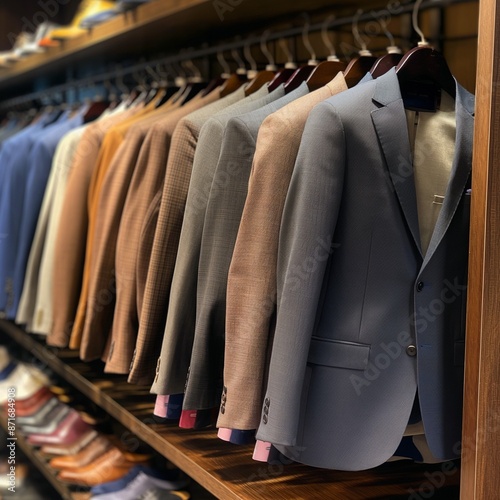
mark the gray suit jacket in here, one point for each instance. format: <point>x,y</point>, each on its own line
<point>364,318</point>
<point>222,220</point>
<point>173,363</point>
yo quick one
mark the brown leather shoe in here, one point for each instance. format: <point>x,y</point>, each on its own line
<point>70,449</point>
<point>97,447</point>
<point>31,405</point>
<point>111,466</point>
<point>69,430</point>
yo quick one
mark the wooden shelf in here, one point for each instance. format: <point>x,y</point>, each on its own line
<point>161,25</point>
<point>41,463</point>
<point>226,470</point>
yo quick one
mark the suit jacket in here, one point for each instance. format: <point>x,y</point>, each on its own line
<point>364,316</point>
<point>27,314</point>
<point>251,286</point>
<point>222,219</point>
<point>107,196</point>
<point>173,363</point>
<point>145,185</point>
<point>39,164</point>
<point>14,166</point>
<point>163,227</point>
<point>71,234</point>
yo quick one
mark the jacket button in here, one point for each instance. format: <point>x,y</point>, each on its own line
<point>266,410</point>
<point>267,401</point>
<point>420,286</point>
<point>411,350</point>
<point>264,419</point>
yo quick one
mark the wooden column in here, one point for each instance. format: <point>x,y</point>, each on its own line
<point>481,431</point>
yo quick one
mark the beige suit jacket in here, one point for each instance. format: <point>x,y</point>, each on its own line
<point>251,288</point>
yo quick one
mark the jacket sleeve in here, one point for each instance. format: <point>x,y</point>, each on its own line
<point>306,239</point>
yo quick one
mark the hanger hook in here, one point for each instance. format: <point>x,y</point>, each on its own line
<point>306,41</point>
<point>189,65</point>
<point>285,47</point>
<point>392,48</point>
<point>154,75</point>
<point>327,40</point>
<point>355,31</point>
<point>416,27</point>
<point>265,50</point>
<point>226,70</point>
<point>241,70</point>
<point>248,56</point>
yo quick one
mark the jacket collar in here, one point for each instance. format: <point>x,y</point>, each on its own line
<point>390,123</point>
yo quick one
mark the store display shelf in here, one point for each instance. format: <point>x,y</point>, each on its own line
<point>227,470</point>
<point>161,25</point>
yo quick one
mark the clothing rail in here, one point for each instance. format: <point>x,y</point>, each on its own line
<point>393,9</point>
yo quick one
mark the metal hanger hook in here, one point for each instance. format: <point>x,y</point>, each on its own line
<point>327,40</point>
<point>248,56</point>
<point>271,66</point>
<point>306,41</point>
<point>416,27</point>
<point>357,36</point>
<point>189,65</point>
<point>226,70</point>
<point>285,47</point>
<point>241,69</point>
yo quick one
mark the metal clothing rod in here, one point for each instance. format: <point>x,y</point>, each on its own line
<point>399,9</point>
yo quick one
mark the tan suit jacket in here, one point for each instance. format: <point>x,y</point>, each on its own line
<point>147,178</point>
<point>251,288</point>
<point>69,249</point>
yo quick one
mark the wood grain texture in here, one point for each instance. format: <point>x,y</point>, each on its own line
<point>481,427</point>
<point>226,470</point>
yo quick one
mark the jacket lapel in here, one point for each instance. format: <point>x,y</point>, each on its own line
<point>391,126</point>
<point>460,170</point>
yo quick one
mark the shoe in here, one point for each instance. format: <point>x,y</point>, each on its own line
<point>70,449</point>
<point>138,486</point>
<point>27,407</point>
<point>35,46</point>
<point>159,494</point>
<point>71,428</point>
<point>50,423</point>
<point>96,447</point>
<point>86,9</point>
<point>25,379</point>
<point>170,479</point>
<point>111,466</point>
<point>37,417</point>
<point>4,358</point>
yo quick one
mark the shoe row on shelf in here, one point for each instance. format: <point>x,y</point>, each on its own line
<point>90,13</point>
<point>68,438</point>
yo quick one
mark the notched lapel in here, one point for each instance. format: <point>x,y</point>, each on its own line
<point>460,170</point>
<point>390,124</point>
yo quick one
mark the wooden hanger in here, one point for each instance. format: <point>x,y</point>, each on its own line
<point>258,81</point>
<point>323,73</point>
<point>384,63</point>
<point>358,67</point>
<point>423,64</point>
<point>290,66</point>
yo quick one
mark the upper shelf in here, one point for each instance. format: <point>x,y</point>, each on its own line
<point>161,25</point>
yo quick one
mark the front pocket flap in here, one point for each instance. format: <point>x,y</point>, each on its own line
<point>338,353</point>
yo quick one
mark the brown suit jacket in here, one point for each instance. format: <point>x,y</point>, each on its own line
<point>251,288</point>
<point>111,182</point>
<point>146,182</point>
<point>69,251</point>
